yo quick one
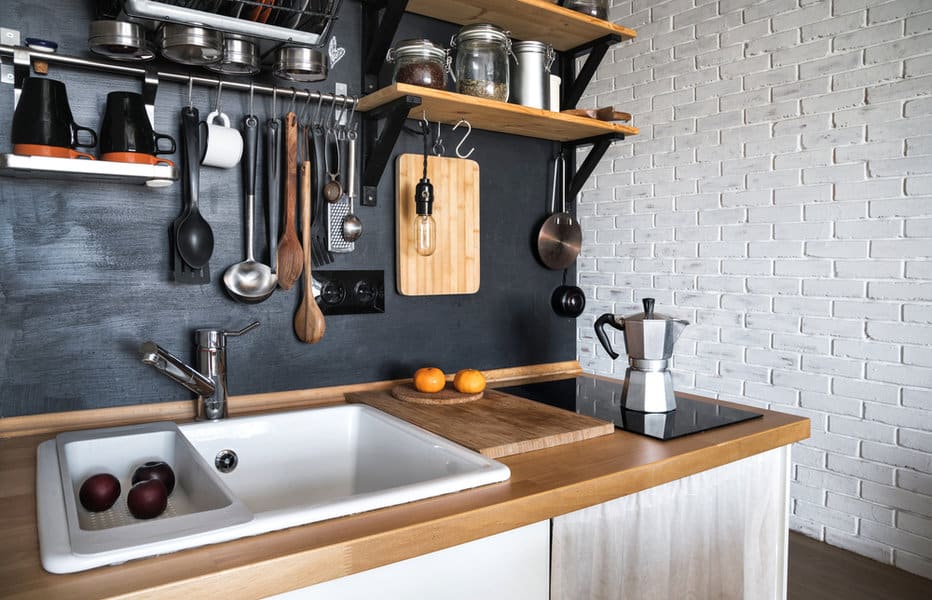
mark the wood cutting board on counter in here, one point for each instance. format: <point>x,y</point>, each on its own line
<point>497,425</point>
<point>453,268</point>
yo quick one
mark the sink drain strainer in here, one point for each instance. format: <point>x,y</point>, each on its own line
<point>226,461</point>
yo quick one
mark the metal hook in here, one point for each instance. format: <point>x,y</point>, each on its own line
<point>329,117</point>
<point>219,93</point>
<point>294,94</point>
<point>320,101</point>
<point>438,147</point>
<point>190,90</point>
<point>274,103</point>
<point>307,102</point>
<point>352,115</point>
<point>462,141</point>
<point>252,91</point>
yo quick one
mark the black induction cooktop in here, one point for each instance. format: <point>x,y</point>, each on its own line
<point>601,398</point>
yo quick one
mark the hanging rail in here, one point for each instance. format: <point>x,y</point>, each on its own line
<point>22,56</point>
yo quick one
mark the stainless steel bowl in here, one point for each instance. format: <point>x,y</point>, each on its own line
<point>240,56</point>
<point>296,63</point>
<point>119,40</point>
<point>190,45</point>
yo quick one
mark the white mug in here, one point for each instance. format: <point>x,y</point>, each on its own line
<point>222,144</point>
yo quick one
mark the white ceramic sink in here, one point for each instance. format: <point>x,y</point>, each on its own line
<point>300,467</point>
<point>292,468</point>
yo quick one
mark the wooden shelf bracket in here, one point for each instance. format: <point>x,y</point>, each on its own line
<point>600,144</point>
<point>378,146</point>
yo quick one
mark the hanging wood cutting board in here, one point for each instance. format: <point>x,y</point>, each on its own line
<point>453,268</point>
<point>497,425</point>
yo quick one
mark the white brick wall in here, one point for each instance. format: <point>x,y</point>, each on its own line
<point>780,198</point>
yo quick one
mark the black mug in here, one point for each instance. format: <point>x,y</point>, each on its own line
<point>42,122</point>
<point>126,133</point>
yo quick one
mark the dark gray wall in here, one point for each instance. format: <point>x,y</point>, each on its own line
<point>85,274</point>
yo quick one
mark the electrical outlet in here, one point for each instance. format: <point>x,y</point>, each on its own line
<point>351,292</point>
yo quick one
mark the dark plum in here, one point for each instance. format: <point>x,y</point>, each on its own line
<point>99,492</point>
<point>156,469</point>
<point>147,499</point>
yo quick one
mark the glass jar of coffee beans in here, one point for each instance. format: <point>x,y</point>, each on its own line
<point>420,62</point>
<point>481,65</point>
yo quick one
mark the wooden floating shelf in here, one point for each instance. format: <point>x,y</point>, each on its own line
<point>538,20</point>
<point>491,115</point>
<point>15,165</point>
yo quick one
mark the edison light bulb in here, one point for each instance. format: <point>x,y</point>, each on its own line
<point>425,235</point>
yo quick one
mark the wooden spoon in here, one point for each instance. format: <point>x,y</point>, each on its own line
<point>309,322</point>
<point>289,248</point>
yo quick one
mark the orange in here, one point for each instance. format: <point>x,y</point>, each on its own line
<point>429,380</point>
<point>469,381</point>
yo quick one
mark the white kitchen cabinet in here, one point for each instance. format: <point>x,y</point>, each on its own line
<point>719,534</point>
<point>514,565</point>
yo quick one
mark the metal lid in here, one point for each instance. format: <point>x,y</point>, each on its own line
<point>532,46</point>
<point>650,315</point>
<point>240,56</point>
<point>417,48</point>
<point>296,63</point>
<point>119,40</point>
<point>485,32</point>
<point>190,45</point>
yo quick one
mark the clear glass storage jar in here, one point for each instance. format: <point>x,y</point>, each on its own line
<point>593,8</point>
<point>420,62</point>
<point>481,64</point>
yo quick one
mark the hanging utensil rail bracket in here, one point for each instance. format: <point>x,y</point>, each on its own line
<point>23,59</point>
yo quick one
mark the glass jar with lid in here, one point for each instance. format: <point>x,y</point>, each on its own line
<point>420,62</point>
<point>481,65</point>
<point>593,8</point>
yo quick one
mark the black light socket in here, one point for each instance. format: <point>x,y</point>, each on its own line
<point>424,197</point>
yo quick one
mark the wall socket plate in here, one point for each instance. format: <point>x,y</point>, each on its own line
<point>351,292</point>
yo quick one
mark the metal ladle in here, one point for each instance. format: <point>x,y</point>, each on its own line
<point>333,191</point>
<point>250,281</point>
<point>352,226</point>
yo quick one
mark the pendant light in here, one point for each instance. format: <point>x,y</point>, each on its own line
<point>425,228</point>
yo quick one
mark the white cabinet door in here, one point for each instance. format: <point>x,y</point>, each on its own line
<point>719,534</point>
<point>514,565</point>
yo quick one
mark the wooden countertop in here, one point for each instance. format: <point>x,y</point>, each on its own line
<point>543,484</point>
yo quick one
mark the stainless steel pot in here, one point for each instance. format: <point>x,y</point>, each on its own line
<point>240,56</point>
<point>296,63</point>
<point>190,45</point>
<point>119,40</point>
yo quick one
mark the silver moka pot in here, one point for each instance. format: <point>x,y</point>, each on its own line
<point>649,339</point>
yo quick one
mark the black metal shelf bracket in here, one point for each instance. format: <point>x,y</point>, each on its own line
<point>574,84</point>
<point>378,145</point>
<point>600,144</point>
<point>380,22</point>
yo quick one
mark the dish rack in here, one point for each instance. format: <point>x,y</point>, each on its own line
<point>292,22</point>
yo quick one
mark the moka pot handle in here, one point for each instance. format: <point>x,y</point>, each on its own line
<point>607,319</point>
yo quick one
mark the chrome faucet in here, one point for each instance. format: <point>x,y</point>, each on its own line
<point>209,380</point>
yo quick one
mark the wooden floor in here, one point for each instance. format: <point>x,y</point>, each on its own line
<point>822,572</point>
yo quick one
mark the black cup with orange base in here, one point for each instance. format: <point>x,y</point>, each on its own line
<point>126,133</point>
<point>43,124</point>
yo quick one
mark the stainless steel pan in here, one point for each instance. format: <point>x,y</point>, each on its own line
<point>560,237</point>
